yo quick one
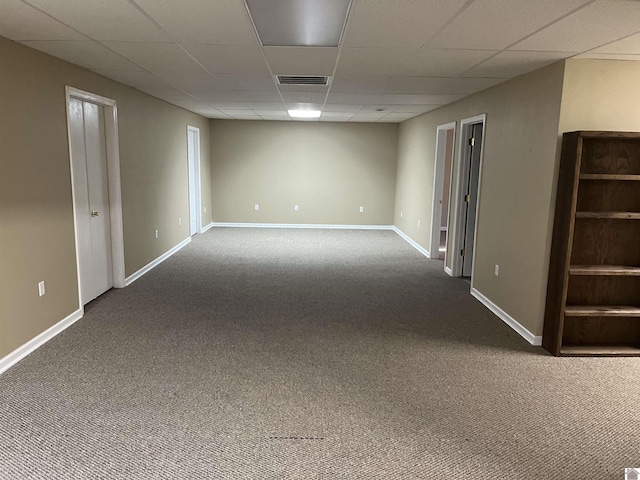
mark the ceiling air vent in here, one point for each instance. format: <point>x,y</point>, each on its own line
<point>302,80</point>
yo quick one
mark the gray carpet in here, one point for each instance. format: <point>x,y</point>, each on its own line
<point>309,354</point>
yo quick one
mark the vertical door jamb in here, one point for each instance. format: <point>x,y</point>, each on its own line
<point>463,172</point>
<point>196,165</point>
<point>438,184</point>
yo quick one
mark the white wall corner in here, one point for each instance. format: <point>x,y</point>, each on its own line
<point>129,280</point>
<point>448,271</point>
<point>508,319</point>
<point>39,340</point>
<point>206,227</point>
<point>412,242</point>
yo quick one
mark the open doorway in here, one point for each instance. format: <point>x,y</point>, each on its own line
<point>467,194</point>
<point>445,135</point>
<point>193,154</point>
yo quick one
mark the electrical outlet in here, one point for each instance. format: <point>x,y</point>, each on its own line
<point>497,270</point>
<point>156,233</point>
<point>361,209</point>
<point>179,220</point>
<point>401,213</point>
<point>256,207</point>
<point>295,208</point>
<point>418,223</point>
<point>205,209</point>
<point>41,289</point>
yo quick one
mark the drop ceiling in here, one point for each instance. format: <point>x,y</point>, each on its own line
<point>394,60</point>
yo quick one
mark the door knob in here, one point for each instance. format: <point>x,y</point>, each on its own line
<point>94,213</point>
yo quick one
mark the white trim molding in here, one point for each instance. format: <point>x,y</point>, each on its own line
<point>39,340</point>
<point>448,271</point>
<point>206,227</point>
<point>301,225</point>
<point>412,242</point>
<point>151,265</point>
<point>508,319</point>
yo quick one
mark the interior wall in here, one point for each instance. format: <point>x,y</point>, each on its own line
<point>329,170</point>
<point>36,216</point>
<point>600,95</point>
<point>516,187</point>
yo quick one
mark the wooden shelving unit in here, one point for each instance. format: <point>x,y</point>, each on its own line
<point>593,293</point>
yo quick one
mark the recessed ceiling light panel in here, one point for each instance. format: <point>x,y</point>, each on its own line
<point>304,113</point>
<point>288,23</point>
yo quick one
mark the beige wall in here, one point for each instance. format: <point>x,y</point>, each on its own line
<point>328,169</point>
<point>517,186</point>
<point>36,217</point>
<point>601,95</point>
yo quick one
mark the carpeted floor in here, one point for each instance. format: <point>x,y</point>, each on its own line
<point>309,354</point>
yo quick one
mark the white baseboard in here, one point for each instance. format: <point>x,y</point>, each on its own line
<point>21,352</point>
<point>129,280</point>
<point>448,271</point>
<point>205,228</point>
<point>412,242</point>
<point>508,319</point>
<point>302,225</point>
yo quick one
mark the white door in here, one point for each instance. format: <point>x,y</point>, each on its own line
<point>193,153</point>
<point>91,197</point>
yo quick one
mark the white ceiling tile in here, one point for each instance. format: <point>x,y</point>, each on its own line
<point>359,84</point>
<point>398,23</point>
<point>272,118</point>
<point>246,117</point>
<point>157,57</point>
<point>138,79</point>
<point>188,104</point>
<point>299,22</point>
<point>303,97</point>
<point>341,108</point>
<point>167,93</point>
<point>281,112</point>
<point>18,21</point>
<point>241,113</point>
<point>301,60</point>
<point>440,85</point>
<point>397,117</point>
<point>261,83</point>
<point>193,83</point>
<point>304,88</point>
<point>510,63</point>
<point>100,20</point>
<point>88,54</point>
<point>229,58</point>
<point>444,62</point>
<point>512,20</point>
<point>249,105</point>
<point>390,99</point>
<point>372,61</point>
<point>220,22</point>
<point>416,108</point>
<point>338,115</point>
<point>240,96</point>
<point>592,26</point>
<point>629,45</point>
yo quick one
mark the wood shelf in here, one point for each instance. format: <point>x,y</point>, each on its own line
<point>609,176</point>
<point>593,292</point>
<point>601,311</point>
<point>604,270</point>
<point>610,215</point>
<point>600,350</point>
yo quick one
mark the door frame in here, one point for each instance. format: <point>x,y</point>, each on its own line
<point>463,172</point>
<point>438,184</point>
<point>113,179</point>
<point>196,161</point>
